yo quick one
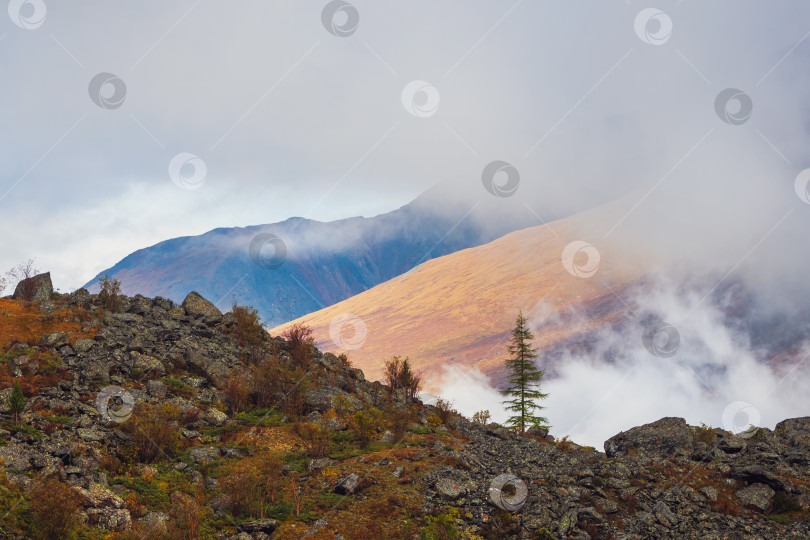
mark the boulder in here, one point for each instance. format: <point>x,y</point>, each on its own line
<point>266,526</point>
<point>4,396</point>
<point>754,474</point>
<point>756,496</point>
<point>795,432</point>
<point>154,522</point>
<point>664,515</point>
<point>111,519</point>
<point>54,339</point>
<point>214,416</point>
<point>156,389</point>
<point>537,431</point>
<point>98,496</point>
<point>83,345</point>
<point>449,489</point>
<point>139,305</point>
<point>38,288</point>
<point>323,399</point>
<point>198,307</point>
<point>349,485</point>
<point>664,438</point>
<point>143,365</point>
<point>15,457</point>
<point>204,454</point>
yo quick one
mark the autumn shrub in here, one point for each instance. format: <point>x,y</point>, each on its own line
<point>187,516</point>
<point>481,417</point>
<point>344,360</point>
<point>365,424</point>
<point>300,344</point>
<point>153,431</point>
<point>705,434</point>
<point>55,509</point>
<point>399,376</point>
<point>316,435</point>
<point>109,293</point>
<point>253,485</point>
<point>273,384</point>
<point>248,332</point>
<point>445,410</point>
<point>236,392</point>
<point>398,418</point>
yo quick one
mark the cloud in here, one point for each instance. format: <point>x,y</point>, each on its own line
<point>292,120</point>
<point>715,376</point>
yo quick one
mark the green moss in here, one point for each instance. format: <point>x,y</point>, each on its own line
<point>782,519</point>
<point>152,495</point>
<point>264,417</point>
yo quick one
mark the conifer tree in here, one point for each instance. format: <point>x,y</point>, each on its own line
<point>16,401</point>
<point>524,380</point>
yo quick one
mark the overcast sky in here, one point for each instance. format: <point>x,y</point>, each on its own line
<point>291,111</point>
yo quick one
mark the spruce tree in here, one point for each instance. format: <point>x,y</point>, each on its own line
<point>16,401</point>
<point>524,379</point>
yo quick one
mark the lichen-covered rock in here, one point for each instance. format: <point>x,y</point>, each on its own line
<point>323,399</point>
<point>664,438</point>
<point>204,454</point>
<point>98,496</point>
<point>198,307</point>
<point>266,526</point>
<point>37,288</point>
<point>449,489</point>
<point>757,496</point>
<point>349,485</point>
<point>215,416</point>
<point>54,339</point>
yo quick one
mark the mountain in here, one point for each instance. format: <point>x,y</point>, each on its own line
<point>134,418</point>
<point>461,306</point>
<point>321,263</point>
<point>458,310</point>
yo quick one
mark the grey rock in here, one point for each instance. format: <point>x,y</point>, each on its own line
<point>349,485</point>
<point>198,307</point>
<point>204,454</point>
<point>83,345</point>
<point>154,523</point>
<point>39,287</point>
<point>664,438</point>
<point>156,389</point>
<point>214,416</point>
<point>115,520</point>
<point>98,496</point>
<point>758,496</point>
<point>449,489</point>
<point>664,515</point>
<point>266,526</point>
<point>54,339</point>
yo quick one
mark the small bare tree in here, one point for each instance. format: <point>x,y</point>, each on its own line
<point>20,273</point>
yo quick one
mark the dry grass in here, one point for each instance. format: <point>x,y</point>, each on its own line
<point>25,324</point>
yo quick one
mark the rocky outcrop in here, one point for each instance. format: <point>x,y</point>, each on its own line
<point>664,438</point>
<point>648,484</point>
<point>199,308</point>
<point>37,288</point>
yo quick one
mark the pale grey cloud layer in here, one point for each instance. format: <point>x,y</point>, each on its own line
<point>292,120</point>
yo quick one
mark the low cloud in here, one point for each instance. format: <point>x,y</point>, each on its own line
<point>716,376</point>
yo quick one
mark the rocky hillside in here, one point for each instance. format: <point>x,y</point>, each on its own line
<point>141,418</point>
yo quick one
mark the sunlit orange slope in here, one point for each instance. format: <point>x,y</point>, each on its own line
<point>463,305</point>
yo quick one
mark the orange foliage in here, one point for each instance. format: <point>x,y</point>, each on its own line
<point>26,324</point>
